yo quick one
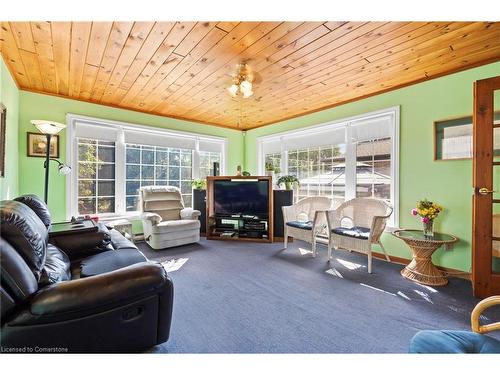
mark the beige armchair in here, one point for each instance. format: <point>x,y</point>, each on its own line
<point>306,219</point>
<point>358,224</point>
<point>165,221</point>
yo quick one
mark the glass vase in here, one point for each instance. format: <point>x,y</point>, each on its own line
<point>429,229</point>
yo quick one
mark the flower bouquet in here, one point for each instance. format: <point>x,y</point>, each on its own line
<point>427,211</point>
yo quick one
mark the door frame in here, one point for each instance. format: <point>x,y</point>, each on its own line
<point>485,283</point>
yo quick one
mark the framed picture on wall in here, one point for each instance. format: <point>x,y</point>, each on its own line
<point>3,125</point>
<point>453,138</point>
<point>37,145</point>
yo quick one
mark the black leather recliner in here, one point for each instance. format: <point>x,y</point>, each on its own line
<point>77,293</point>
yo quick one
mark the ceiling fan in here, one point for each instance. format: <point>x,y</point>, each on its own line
<point>244,80</point>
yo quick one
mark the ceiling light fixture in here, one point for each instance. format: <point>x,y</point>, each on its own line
<point>242,83</point>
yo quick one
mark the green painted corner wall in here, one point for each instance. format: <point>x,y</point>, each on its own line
<point>446,182</point>
<point>9,97</point>
<point>46,107</point>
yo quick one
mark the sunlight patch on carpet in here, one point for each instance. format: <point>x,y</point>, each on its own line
<point>350,265</point>
<point>304,251</point>
<point>334,272</point>
<point>172,265</point>
<point>377,289</point>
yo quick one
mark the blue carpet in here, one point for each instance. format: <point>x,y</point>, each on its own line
<point>240,297</point>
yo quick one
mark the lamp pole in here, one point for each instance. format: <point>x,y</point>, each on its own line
<point>47,165</point>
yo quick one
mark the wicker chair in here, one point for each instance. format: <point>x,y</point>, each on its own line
<point>306,219</point>
<point>358,224</point>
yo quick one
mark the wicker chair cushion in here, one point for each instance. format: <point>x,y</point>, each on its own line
<point>354,232</point>
<point>307,225</point>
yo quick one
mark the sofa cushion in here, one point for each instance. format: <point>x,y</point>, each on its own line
<point>56,268</point>
<point>354,232</point>
<point>38,206</point>
<point>307,225</point>
<point>110,261</point>
<point>24,230</point>
<point>176,226</point>
<point>17,279</point>
<point>428,341</point>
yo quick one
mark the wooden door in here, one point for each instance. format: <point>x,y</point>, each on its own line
<point>486,201</point>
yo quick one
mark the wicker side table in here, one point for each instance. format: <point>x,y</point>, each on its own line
<point>421,269</point>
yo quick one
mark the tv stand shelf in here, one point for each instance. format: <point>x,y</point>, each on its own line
<point>238,227</point>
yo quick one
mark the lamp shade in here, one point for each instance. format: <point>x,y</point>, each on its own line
<point>48,127</point>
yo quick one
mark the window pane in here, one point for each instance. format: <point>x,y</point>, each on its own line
<point>186,173</point>
<point>186,158</point>
<point>86,206</point>
<point>105,205</point>
<point>106,171</point>
<point>373,169</point>
<point>106,188</point>
<point>148,156</point>
<point>133,171</point>
<point>86,152</point>
<point>147,172</point>
<point>132,187</point>
<point>86,188</point>
<point>174,183</point>
<point>131,203</point>
<point>162,157</point>
<point>187,200</point>
<point>133,155</point>
<point>174,157</point>
<point>106,154</point>
<point>161,173</point>
<point>174,173</point>
<point>186,187</point>
<point>86,170</point>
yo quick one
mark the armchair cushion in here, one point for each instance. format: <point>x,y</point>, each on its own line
<point>38,206</point>
<point>354,232</point>
<point>306,225</point>
<point>174,226</point>
<point>428,341</point>
<point>110,261</point>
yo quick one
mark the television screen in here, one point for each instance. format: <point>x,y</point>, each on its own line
<point>241,197</point>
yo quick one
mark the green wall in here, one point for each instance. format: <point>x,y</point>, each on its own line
<point>46,107</point>
<point>446,182</point>
<point>9,97</point>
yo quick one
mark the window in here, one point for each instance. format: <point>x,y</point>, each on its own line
<point>114,160</point>
<point>152,165</point>
<point>96,176</point>
<point>207,160</point>
<point>359,160</point>
<point>274,160</point>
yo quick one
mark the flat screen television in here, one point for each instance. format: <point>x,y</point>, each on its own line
<point>249,198</point>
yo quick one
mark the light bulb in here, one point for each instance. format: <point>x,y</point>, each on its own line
<point>48,127</point>
<point>246,86</point>
<point>233,89</point>
<point>64,169</point>
<point>247,94</point>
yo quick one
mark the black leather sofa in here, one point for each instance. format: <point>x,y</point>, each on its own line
<point>76,293</point>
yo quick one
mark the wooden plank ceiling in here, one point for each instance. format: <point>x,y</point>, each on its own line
<point>183,69</point>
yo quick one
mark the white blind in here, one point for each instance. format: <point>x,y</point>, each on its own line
<point>211,146</point>
<point>332,136</point>
<point>158,139</point>
<point>85,130</point>
<point>372,128</point>
<point>271,146</point>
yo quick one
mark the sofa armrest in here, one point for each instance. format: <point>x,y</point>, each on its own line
<point>91,295</point>
<point>155,219</point>
<point>189,214</point>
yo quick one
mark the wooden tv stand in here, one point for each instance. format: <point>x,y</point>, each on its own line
<point>244,227</point>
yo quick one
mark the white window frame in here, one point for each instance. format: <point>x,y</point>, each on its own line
<point>350,155</point>
<point>120,159</point>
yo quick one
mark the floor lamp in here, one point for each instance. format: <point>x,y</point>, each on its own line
<point>50,128</point>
